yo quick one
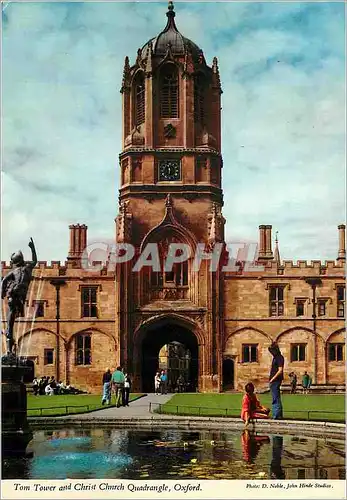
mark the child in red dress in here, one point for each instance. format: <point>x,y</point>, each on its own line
<point>251,407</point>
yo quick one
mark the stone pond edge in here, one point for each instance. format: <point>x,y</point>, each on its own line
<point>304,428</point>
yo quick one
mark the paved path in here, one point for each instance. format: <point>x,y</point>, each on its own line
<point>138,408</point>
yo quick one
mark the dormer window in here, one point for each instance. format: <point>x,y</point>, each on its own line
<point>169,100</point>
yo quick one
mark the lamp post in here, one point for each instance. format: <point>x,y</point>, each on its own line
<point>314,282</point>
<point>57,283</point>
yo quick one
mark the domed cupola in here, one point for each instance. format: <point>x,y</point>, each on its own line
<point>171,38</point>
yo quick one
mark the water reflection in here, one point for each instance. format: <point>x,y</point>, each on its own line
<point>119,453</point>
<point>276,471</point>
<point>251,444</point>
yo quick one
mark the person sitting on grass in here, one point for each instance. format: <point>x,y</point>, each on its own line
<point>48,390</point>
<point>251,407</point>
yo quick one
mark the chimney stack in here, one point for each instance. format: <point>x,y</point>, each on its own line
<point>268,239</point>
<point>342,242</point>
<point>265,244</point>
<point>262,242</point>
<point>78,241</point>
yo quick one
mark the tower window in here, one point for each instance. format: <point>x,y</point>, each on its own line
<point>322,307</point>
<point>199,99</point>
<point>276,301</point>
<point>139,100</point>
<point>169,93</point>
<point>300,307</point>
<point>298,352</point>
<point>48,356</point>
<point>89,302</point>
<point>39,308</point>
<point>336,351</point>
<point>83,349</point>
<point>249,353</point>
<point>341,292</point>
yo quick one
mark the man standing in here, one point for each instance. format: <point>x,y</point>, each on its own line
<point>163,382</point>
<point>305,383</point>
<point>275,380</point>
<point>118,380</point>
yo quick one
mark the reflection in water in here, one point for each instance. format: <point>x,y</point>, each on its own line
<point>173,454</point>
<point>251,444</point>
<point>276,470</point>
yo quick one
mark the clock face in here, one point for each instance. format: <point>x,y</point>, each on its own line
<point>169,170</point>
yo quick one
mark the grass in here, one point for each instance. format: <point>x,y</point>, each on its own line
<point>66,404</point>
<point>327,407</point>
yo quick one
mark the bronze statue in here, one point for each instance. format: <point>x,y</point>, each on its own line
<point>15,287</point>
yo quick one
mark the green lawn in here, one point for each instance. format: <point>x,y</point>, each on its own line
<point>296,406</point>
<point>66,404</point>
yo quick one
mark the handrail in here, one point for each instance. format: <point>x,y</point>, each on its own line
<point>225,412</point>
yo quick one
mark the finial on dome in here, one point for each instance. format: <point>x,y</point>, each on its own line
<point>170,8</point>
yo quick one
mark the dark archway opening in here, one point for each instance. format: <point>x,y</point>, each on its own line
<point>180,354</point>
<point>228,374</point>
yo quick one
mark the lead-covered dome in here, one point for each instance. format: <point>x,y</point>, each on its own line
<point>171,38</point>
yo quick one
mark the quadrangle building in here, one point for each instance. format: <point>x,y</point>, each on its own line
<point>214,327</point>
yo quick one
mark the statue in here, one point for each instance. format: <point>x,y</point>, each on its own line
<point>15,287</point>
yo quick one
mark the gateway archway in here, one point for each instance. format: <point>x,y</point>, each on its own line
<point>171,347</point>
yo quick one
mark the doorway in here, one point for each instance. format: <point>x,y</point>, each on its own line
<point>228,374</point>
<point>172,348</point>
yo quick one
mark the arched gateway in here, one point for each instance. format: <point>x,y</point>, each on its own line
<point>168,344</point>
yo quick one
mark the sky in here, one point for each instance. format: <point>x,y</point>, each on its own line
<point>282,69</point>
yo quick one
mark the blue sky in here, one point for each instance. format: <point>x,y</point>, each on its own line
<point>282,71</point>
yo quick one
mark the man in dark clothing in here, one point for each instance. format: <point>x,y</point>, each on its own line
<point>106,385</point>
<point>275,380</point>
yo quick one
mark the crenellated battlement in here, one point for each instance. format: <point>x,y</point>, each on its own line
<point>55,268</point>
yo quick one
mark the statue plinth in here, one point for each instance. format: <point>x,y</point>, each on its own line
<point>15,429</point>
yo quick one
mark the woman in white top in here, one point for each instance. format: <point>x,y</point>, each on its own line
<point>157,383</point>
<point>127,386</point>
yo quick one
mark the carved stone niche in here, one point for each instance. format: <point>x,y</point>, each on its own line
<point>201,169</point>
<point>135,138</point>
<point>136,169</point>
<point>125,173</point>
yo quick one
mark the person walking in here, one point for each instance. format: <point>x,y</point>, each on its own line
<point>305,382</point>
<point>127,387</point>
<point>275,380</point>
<point>106,387</point>
<point>293,382</point>
<point>157,383</point>
<point>163,382</point>
<point>118,384</point>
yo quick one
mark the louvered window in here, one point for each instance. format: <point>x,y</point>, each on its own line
<point>140,100</point>
<point>199,99</point>
<point>169,100</point>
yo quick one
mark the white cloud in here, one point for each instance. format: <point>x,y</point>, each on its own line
<point>283,122</point>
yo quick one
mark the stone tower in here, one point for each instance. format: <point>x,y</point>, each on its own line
<point>170,191</point>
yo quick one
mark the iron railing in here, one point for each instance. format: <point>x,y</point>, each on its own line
<point>207,411</point>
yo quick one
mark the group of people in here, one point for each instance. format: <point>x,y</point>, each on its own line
<point>160,382</point>
<point>305,382</point>
<point>119,383</point>
<point>49,386</point>
<point>162,385</point>
<point>251,407</point>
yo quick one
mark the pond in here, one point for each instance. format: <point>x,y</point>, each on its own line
<point>174,454</point>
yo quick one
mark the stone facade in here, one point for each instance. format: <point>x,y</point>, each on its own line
<point>171,192</point>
